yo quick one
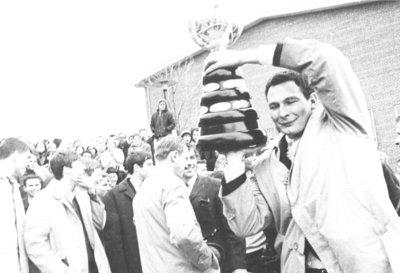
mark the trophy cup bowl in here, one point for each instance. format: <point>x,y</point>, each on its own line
<point>228,121</point>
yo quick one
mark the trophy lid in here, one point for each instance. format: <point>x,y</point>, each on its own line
<point>215,29</point>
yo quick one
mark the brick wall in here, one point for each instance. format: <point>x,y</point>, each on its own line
<point>368,34</point>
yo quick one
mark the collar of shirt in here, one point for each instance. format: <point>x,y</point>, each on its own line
<point>293,144</point>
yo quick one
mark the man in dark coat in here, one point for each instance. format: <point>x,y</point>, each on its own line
<point>162,121</point>
<point>208,209</point>
<point>119,234</point>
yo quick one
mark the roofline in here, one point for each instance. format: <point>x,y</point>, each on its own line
<point>284,12</point>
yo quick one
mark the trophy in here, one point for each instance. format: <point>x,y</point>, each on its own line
<point>228,121</point>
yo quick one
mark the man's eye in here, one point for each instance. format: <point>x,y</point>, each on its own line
<point>273,106</point>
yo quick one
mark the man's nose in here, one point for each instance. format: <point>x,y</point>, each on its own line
<point>283,111</point>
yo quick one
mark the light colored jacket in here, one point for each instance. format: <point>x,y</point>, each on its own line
<point>13,258</point>
<point>53,233</point>
<point>335,194</point>
<point>169,235</point>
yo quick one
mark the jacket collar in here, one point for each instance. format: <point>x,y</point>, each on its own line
<point>127,188</point>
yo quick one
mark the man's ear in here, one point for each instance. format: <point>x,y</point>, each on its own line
<point>314,100</point>
<point>172,156</point>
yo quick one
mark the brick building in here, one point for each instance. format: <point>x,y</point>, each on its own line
<point>367,32</point>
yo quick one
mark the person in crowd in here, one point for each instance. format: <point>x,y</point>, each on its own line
<point>57,142</point>
<point>112,156</point>
<point>203,195</point>
<point>162,121</point>
<point>202,166</point>
<point>61,225</point>
<point>42,153</point>
<point>139,145</point>
<point>97,176</point>
<point>79,149</point>
<point>86,154</point>
<point>186,137</point>
<point>32,184</point>
<point>14,157</point>
<point>321,173</point>
<point>33,168</point>
<point>93,151</point>
<point>170,239</point>
<point>144,134</point>
<point>123,144</point>
<point>119,234</point>
<point>114,176</point>
<point>195,134</point>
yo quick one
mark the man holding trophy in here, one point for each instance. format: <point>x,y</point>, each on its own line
<point>320,182</point>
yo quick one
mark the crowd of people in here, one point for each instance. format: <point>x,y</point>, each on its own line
<point>317,198</point>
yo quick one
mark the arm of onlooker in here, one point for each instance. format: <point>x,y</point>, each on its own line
<point>36,238</point>
<point>170,122</point>
<point>244,207</point>
<point>184,230</point>
<point>87,186</point>
<point>112,236</point>
<point>235,247</point>
<point>332,77</point>
<point>153,124</point>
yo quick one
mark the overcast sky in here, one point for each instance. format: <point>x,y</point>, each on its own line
<point>68,68</point>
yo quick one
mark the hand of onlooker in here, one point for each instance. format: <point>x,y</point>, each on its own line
<point>87,183</point>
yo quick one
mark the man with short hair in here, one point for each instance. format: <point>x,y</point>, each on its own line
<point>320,182</point>
<point>119,234</point>
<point>14,158</point>
<point>32,185</point>
<point>60,228</point>
<point>203,195</point>
<point>170,239</point>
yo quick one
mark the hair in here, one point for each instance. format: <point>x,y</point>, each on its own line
<point>12,145</point>
<point>299,79</point>
<point>32,176</point>
<point>61,160</point>
<point>57,142</point>
<point>160,101</point>
<point>137,158</point>
<point>195,129</point>
<point>168,144</point>
<point>88,148</point>
<point>90,165</point>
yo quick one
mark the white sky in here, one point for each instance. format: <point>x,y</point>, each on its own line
<point>68,68</point>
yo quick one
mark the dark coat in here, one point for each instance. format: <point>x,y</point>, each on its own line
<point>162,123</point>
<point>208,209</point>
<point>119,234</point>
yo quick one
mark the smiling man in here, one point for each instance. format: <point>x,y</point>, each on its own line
<point>320,182</point>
